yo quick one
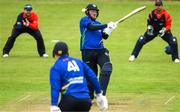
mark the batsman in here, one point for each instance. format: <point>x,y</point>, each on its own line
<point>158,24</point>
<point>92,48</point>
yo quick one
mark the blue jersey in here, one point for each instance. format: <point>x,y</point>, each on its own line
<point>74,72</point>
<point>90,39</point>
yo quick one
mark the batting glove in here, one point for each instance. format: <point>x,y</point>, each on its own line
<point>110,27</point>
<point>150,30</point>
<point>107,31</point>
<point>102,102</point>
<point>55,109</point>
<point>162,32</point>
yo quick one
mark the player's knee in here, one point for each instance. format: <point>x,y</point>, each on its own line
<point>168,50</point>
<point>106,68</point>
<point>142,40</point>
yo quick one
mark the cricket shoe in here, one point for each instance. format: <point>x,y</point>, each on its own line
<point>5,55</point>
<point>132,58</point>
<point>176,61</point>
<point>45,55</point>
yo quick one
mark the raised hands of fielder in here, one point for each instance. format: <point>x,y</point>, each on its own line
<point>162,32</point>
<point>150,30</point>
<point>26,22</point>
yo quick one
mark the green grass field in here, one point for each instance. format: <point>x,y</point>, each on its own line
<point>150,84</point>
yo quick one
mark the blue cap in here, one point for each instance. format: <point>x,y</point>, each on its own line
<point>28,7</point>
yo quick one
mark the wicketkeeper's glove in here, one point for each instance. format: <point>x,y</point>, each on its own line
<point>162,32</point>
<point>150,30</point>
<point>110,27</point>
<point>55,109</point>
<point>102,102</point>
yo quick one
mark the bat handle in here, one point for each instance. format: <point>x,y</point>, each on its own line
<point>116,22</point>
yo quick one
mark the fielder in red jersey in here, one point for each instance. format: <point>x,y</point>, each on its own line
<point>32,18</point>
<point>158,24</point>
<point>27,22</point>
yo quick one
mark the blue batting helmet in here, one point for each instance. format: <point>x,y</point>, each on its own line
<point>91,7</point>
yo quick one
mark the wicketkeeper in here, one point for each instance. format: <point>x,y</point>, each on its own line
<point>69,76</point>
<point>27,22</point>
<point>158,24</point>
<point>91,44</point>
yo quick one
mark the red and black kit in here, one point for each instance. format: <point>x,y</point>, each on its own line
<point>31,29</point>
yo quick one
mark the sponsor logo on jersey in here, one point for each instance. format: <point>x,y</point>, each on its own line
<point>76,80</point>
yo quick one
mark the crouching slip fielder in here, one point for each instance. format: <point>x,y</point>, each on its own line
<point>92,48</point>
<point>68,76</point>
<point>27,22</point>
<point>158,23</point>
